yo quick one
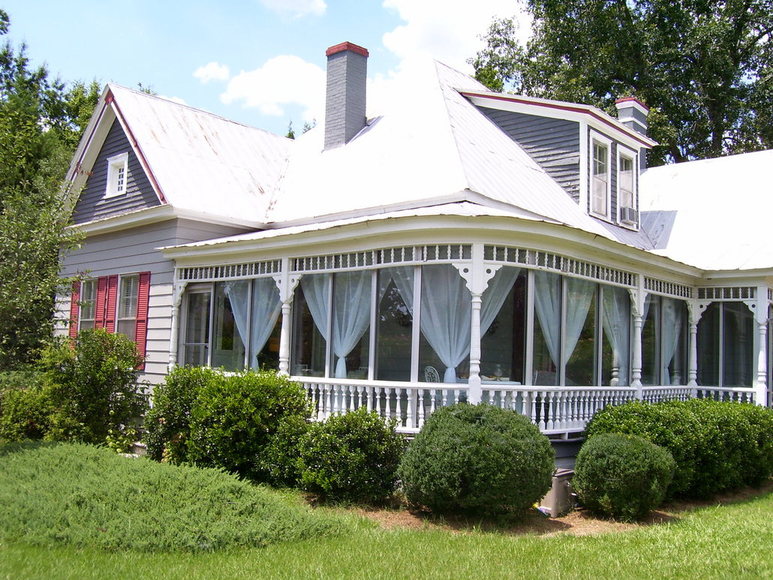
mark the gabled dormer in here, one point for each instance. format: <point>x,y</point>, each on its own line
<point>596,158</point>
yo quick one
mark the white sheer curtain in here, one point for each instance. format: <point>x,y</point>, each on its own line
<point>316,291</point>
<point>266,307</point>
<point>351,314</point>
<point>446,312</point>
<point>616,322</point>
<point>547,302</point>
<point>579,297</point>
<point>495,294</point>
<point>238,293</point>
<point>673,316</point>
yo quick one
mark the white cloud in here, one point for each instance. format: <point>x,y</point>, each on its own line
<point>448,32</point>
<point>212,71</point>
<point>296,8</point>
<point>281,81</point>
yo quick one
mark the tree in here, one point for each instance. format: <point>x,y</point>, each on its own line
<point>40,124</point>
<point>704,66</point>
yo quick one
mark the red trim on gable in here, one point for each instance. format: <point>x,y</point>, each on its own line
<point>74,308</point>
<point>632,100</point>
<point>141,330</point>
<point>344,46</point>
<point>560,107</point>
<point>112,294</point>
<point>139,153</point>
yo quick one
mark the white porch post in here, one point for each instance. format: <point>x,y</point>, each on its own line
<point>286,284</point>
<point>638,297</point>
<point>695,310</point>
<point>760,311</point>
<point>178,289</point>
<point>477,276</point>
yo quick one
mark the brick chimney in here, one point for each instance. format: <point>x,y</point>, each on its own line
<point>347,69</point>
<point>632,113</point>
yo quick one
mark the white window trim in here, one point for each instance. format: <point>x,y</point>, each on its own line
<point>606,142</point>
<point>118,300</point>
<point>81,318</point>
<point>115,164</point>
<point>630,154</point>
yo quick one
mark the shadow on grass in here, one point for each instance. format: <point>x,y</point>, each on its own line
<point>21,446</point>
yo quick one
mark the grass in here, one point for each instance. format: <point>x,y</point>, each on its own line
<point>732,541</point>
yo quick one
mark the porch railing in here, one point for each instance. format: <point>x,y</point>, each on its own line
<point>555,410</point>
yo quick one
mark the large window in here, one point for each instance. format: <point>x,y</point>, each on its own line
<point>601,177</point>
<point>394,323</point>
<point>664,341</point>
<point>726,345</point>
<point>128,295</point>
<point>626,189</point>
<point>232,325</point>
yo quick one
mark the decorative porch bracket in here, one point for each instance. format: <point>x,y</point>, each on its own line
<point>476,275</point>
<point>286,283</point>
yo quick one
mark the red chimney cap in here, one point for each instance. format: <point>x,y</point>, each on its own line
<point>632,100</point>
<point>344,46</point>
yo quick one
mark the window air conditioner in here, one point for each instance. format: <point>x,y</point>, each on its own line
<point>629,215</point>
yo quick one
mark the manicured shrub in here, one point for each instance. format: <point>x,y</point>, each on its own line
<point>280,460</point>
<point>622,476</point>
<point>350,457</point>
<point>24,414</point>
<point>235,416</point>
<point>168,422</point>
<point>717,446</point>
<point>93,385</point>
<point>87,497</point>
<point>477,458</point>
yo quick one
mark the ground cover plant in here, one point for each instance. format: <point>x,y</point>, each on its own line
<point>622,476</point>
<point>477,458</point>
<point>85,496</point>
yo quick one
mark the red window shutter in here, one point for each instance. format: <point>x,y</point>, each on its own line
<point>74,308</point>
<point>99,315</point>
<point>141,332</point>
<point>112,295</point>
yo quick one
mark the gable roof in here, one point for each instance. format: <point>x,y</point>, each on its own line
<point>196,161</point>
<point>714,214</point>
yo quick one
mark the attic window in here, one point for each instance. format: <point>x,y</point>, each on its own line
<point>600,177</point>
<point>117,175</point>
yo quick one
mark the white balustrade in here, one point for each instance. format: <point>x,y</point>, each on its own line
<point>555,410</point>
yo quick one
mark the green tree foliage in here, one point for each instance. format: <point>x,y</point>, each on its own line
<point>41,121</point>
<point>705,67</point>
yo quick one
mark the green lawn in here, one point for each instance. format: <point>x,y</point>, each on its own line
<point>734,541</point>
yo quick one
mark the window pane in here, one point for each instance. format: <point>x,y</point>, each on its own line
<point>227,346</point>
<point>581,366</point>
<point>127,301</point>
<point>196,342</point>
<point>127,327</point>
<point>650,342</point>
<point>352,296</point>
<point>738,359</point>
<point>309,346</point>
<point>503,347</point>
<point>88,303</point>
<point>547,328</point>
<point>600,178</point>
<point>625,179</point>
<point>708,346</point>
<point>616,342</point>
<point>674,342</point>
<point>394,321</point>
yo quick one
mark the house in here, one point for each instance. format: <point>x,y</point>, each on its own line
<point>459,244</point>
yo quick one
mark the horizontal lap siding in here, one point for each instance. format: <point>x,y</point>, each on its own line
<point>136,251</point>
<point>553,143</point>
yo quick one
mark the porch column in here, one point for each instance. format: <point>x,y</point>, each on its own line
<point>286,284</point>
<point>761,318</point>
<point>695,310</point>
<point>638,297</point>
<point>477,276</point>
<point>178,289</point>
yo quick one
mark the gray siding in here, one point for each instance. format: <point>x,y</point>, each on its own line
<point>92,204</point>
<point>135,250</point>
<point>553,143</point>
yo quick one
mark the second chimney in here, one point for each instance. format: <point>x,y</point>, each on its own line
<point>347,70</point>
<point>632,113</point>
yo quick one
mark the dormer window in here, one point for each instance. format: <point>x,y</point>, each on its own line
<point>626,185</point>
<point>600,177</point>
<point>117,174</point>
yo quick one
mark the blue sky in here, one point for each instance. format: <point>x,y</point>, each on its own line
<point>260,62</point>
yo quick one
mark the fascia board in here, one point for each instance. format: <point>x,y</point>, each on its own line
<point>565,111</point>
<point>409,230</point>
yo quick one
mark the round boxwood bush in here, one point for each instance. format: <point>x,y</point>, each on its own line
<point>622,476</point>
<point>168,422</point>
<point>477,458</point>
<point>235,416</point>
<point>350,457</point>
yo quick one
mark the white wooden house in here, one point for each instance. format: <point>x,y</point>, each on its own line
<point>457,245</point>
